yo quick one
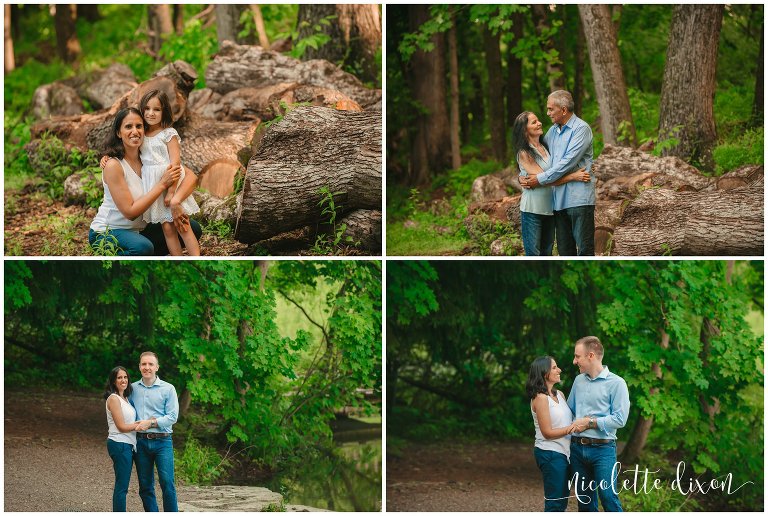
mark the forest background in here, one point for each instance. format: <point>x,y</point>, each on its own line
<point>686,336</point>
<point>44,44</point>
<point>268,358</point>
<point>457,76</point>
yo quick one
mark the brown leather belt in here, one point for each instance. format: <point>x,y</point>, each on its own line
<point>588,441</point>
<point>152,435</point>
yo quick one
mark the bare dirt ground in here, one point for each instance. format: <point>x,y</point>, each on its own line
<point>465,477</point>
<point>56,454</point>
<point>38,226</point>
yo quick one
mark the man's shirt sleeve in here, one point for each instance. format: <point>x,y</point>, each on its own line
<point>577,147</point>
<point>572,399</point>
<point>619,409</point>
<point>171,409</point>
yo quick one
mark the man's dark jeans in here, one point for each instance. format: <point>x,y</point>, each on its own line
<point>595,462</point>
<point>575,231</point>
<point>151,452</point>
<point>538,233</point>
<point>554,470</point>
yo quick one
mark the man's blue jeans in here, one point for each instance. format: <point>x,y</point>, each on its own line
<point>554,470</point>
<point>538,233</point>
<point>595,462</point>
<point>122,460</point>
<point>575,229</point>
<point>151,452</point>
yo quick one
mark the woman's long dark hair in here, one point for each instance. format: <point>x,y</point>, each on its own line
<point>537,382</point>
<point>114,145</point>
<point>111,387</point>
<point>520,137</point>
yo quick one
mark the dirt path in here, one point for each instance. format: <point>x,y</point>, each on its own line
<point>465,477</point>
<point>56,454</point>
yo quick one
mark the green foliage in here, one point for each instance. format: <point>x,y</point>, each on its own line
<point>314,40</point>
<point>106,246</point>
<point>199,464</point>
<point>746,150</point>
<point>196,45</point>
<point>219,228</point>
<point>459,182</point>
<point>482,231</point>
<point>54,162</point>
<point>331,243</point>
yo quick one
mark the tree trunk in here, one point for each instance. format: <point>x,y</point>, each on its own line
<point>261,31</point>
<point>578,73</point>
<point>364,228</point>
<point>178,18</point>
<point>431,144</point>
<point>554,66</point>
<point>67,44</point>
<point>240,66</point>
<point>719,223</point>
<point>615,114</point>
<point>228,24</point>
<point>10,62</point>
<point>757,105</point>
<point>160,25</point>
<point>688,90</point>
<point>496,113</point>
<point>297,157</point>
<point>354,31</point>
<point>453,61</point>
<point>88,12</point>
<point>515,73</point>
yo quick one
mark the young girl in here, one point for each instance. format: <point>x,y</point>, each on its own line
<point>162,146</point>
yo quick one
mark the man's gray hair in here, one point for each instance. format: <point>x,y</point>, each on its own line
<point>563,98</point>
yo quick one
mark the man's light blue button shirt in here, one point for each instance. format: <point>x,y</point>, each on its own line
<point>158,401</point>
<point>606,397</point>
<point>571,148</point>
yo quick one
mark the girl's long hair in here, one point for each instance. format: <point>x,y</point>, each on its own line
<point>111,387</point>
<point>520,138</point>
<point>114,146</point>
<point>537,382</point>
<point>166,118</point>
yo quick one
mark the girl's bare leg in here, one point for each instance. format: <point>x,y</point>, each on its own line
<point>190,241</point>
<point>171,239</point>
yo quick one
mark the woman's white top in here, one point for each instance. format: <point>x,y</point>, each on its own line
<point>560,416</point>
<point>108,216</point>
<point>537,200</point>
<point>129,416</point>
<point>154,161</point>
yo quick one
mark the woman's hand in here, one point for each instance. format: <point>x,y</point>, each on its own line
<point>142,425</point>
<point>580,424</point>
<point>171,175</point>
<point>582,175</point>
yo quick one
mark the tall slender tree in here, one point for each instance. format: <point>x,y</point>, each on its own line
<point>453,65</point>
<point>494,95</point>
<point>514,72</point>
<point>160,25</point>
<point>757,105</point>
<point>67,44</point>
<point>615,114</point>
<point>688,91</point>
<point>10,61</point>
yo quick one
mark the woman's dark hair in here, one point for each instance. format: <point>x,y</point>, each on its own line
<point>166,119</point>
<point>111,387</point>
<point>520,137</point>
<point>114,145</point>
<point>537,382</point>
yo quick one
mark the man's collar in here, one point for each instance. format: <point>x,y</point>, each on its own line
<point>603,374</point>
<point>569,122</point>
<point>156,382</point>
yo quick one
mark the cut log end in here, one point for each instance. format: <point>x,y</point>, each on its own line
<point>218,177</point>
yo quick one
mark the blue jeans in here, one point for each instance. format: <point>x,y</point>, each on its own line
<point>554,470</point>
<point>575,231</point>
<point>151,452</point>
<point>149,242</point>
<point>538,233</point>
<point>122,460</point>
<point>595,462</point>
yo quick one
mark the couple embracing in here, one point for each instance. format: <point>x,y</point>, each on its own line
<point>558,189</point>
<point>140,416</point>
<point>576,439</point>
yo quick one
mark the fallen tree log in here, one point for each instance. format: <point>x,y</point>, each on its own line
<point>243,66</point>
<point>311,148</point>
<point>364,226</point>
<point>719,223</point>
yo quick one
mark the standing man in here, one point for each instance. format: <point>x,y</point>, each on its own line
<point>156,403</point>
<point>603,399</point>
<point>570,144</point>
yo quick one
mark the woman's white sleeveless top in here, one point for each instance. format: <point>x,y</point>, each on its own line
<point>561,416</point>
<point>109,217</point>
<point>129,416</point>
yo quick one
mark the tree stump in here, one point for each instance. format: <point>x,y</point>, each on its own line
<point>718,223</point>
<point>309,149</point>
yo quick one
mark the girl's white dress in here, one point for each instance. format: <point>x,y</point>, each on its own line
<point>154,161</point>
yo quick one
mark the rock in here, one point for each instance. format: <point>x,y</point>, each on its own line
<point>506,246</point>
<point>105,87</point>
<point>56,99</point>
<point>214,208</point>
<point>487,188</point>
<point>75,187</point>
<point>227,499</point>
